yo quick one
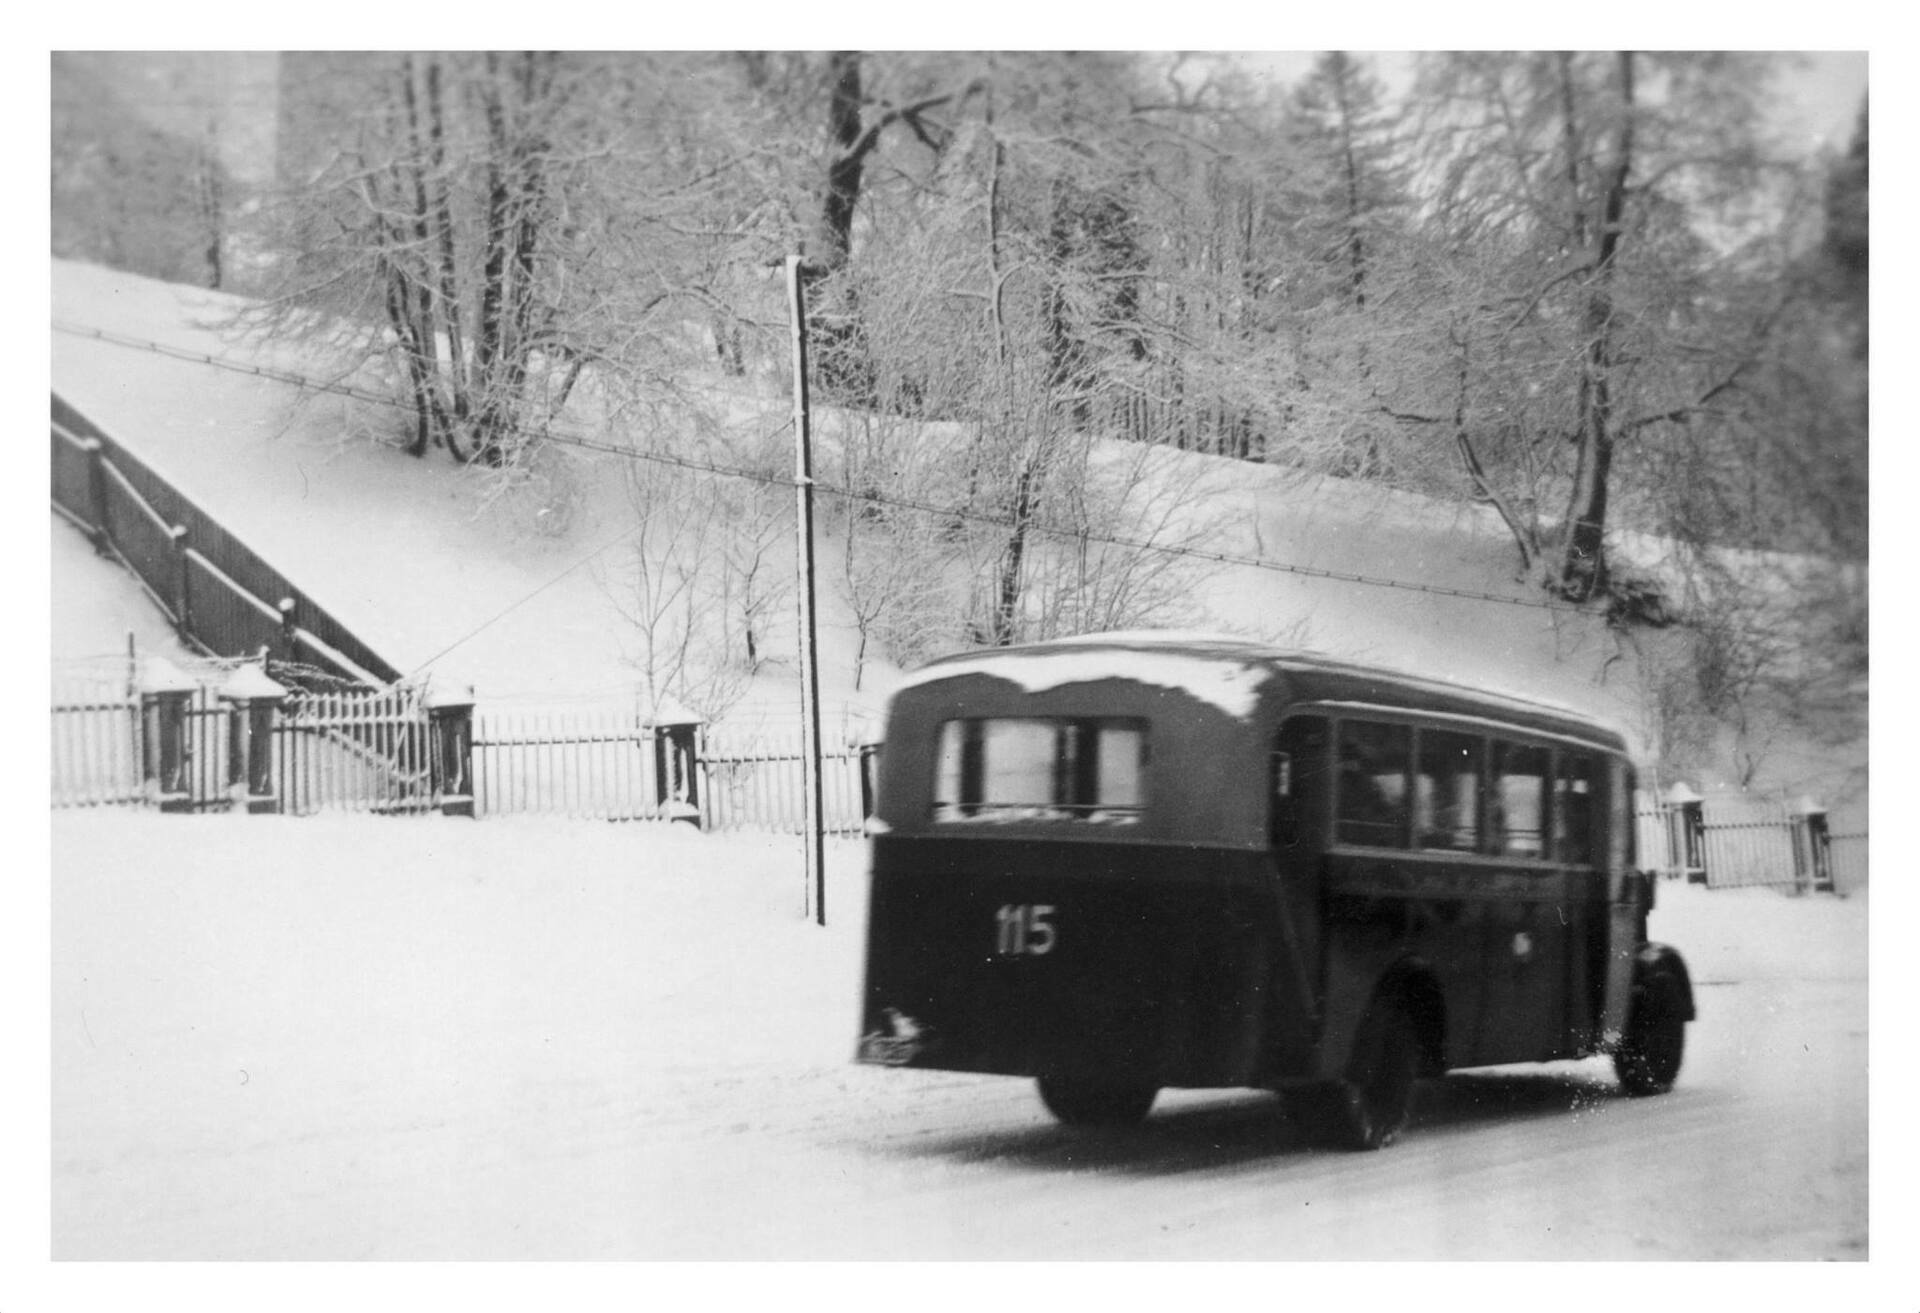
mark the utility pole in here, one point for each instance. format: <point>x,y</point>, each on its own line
<point>809,637</point>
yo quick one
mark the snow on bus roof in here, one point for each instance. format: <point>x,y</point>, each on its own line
<point>1231,684</point>
<point>1225,670</point>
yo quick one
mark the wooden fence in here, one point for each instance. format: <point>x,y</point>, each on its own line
<point>216,590</point>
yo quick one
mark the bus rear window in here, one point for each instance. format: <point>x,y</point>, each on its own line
<point>1040,769</point>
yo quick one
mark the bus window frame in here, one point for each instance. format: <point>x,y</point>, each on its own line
<point>1337,777</point>
<point>1482,755</point>
<point>1070,773</point>
<point>1491,733</point>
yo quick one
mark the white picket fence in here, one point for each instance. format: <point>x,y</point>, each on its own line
<point>599,765</point>
<point>95,745</point>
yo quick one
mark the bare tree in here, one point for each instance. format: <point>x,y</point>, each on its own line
<point>512,234</point>
<point>1589,216</point>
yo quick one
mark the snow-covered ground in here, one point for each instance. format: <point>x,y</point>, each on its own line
<point>350,1037</point>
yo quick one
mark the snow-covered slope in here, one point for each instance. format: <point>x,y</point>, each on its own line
<point>403,551</point>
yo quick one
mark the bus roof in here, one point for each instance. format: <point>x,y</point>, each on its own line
<point>1232,673</point>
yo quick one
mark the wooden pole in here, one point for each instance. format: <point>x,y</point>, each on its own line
<point>809,637</point>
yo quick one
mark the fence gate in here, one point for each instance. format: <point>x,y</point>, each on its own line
<point>354,750</point>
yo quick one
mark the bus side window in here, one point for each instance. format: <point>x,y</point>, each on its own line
<point>1372,789</point>
<point>1574,787</point>
<point>1446,791</point>
<point>1297,781</point>
<point>1519,798</point>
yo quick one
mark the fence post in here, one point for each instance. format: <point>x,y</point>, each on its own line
<point>1687,821</point>
<point>164,692</point>
<point>869,759</point>
<point>289,621</point>
<point>1812,847</point>
<point>676,770</point>
<point>182,589</point>
<point>253,700</point>
<point>97,494</point>
<point>450,751</point>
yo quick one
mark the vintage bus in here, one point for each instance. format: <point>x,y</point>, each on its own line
<point>1124,863</point>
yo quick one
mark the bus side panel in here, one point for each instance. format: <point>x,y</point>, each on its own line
<point>1504,947</point>
<point>1146,963</point>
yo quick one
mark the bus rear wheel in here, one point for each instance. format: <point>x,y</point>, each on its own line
<point>1095,1103</point>
<point>1373,1102</point>
<point>1648,1059</point>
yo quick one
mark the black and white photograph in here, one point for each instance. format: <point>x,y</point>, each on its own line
<point>1135,656</point>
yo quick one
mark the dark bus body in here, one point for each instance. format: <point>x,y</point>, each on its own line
<point>1132,862</point>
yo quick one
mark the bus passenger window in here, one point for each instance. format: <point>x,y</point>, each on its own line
<point>1573,802</point>
<point>1371,807</point>
<point>1519,820</point>
<point>1446,792</point>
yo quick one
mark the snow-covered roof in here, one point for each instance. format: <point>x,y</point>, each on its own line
<point>1225,670</point>
<point>1232,685</point>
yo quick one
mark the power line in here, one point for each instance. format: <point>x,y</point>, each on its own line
<point>570,439</point>
<point>505,611</point>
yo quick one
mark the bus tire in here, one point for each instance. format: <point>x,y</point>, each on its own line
<point>1648,1059</point>
<point>1096,1103</point>
<point>1373,1102</point>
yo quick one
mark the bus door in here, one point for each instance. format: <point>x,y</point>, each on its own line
<point>1539,948</point>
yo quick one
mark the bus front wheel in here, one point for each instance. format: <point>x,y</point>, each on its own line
<point>1372,1104</point>
<point>1648,1059</point>
<point>1095,1103</point>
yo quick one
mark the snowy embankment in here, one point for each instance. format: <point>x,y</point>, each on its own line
<point>450,580</point>
<point>355,1037</point>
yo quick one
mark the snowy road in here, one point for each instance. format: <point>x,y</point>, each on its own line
<point>370,1038</point>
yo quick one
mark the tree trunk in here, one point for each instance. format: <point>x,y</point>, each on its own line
<point>848,164</point>
<point>1583,566</point>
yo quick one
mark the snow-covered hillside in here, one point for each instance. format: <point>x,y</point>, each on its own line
<point>408,554</point>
